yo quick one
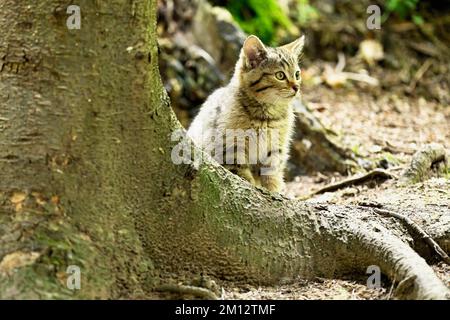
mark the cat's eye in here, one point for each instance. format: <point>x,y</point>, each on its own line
<point>297,75</point>
<point>280,75</point>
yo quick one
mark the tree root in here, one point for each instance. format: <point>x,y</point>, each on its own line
<point>422,161</point>
<point>201,293</point>
<point>376,173</point>
<point>398,261</point>
<point>414,226</point>
<point>285,239</point>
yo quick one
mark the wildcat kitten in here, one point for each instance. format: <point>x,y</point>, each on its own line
<point>257,100</point>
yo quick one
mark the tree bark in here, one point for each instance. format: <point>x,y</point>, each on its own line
<point>87,178</point>
<point>316,148</point>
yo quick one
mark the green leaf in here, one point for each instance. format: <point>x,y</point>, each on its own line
<point>417,19</point>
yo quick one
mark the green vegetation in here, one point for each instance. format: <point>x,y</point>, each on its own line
<point>447,173</point>
<point>268,20</point>
<point>405,9</point>
<point>261,17</point>
<point>306,12</point>
<point>390,158</point>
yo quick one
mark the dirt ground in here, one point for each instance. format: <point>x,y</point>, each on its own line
<point>381,126</point>
<point>325,289</point>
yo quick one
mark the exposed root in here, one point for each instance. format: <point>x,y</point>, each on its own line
<point>310,240</point>
<point>422,161</point>
<point>405,287</point>
<point>201,293</point>
<point>414,226</point>
<point>396,259</point>
<point>376,173</point>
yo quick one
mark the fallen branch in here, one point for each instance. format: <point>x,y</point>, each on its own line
<point>419,74</point>
<point>336,76</point>
<point>414,226</point>
<point>376,173</point>
<point>361,77</point>
<point>389,147</point>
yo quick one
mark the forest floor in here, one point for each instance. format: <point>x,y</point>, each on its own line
<point>379,125</point>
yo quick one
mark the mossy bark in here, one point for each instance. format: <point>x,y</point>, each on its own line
<point>87,178</point>
<point>422,163</point>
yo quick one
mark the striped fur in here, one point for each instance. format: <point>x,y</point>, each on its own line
<point>258,97</point>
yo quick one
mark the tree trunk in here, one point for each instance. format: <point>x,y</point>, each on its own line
<point>87,177</point>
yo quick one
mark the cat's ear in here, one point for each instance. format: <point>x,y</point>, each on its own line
<point>254,50</point>
<point>296,47</point>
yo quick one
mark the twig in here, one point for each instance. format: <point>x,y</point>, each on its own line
<point>414,226</point>
<point>355,180</point>
<point>388,146</point>
<point>201,293</point>
<point>341,63</point>
<point>396,149</point>
<point>442,47</point>
<point>419,74</point>
<point>362,78</point>
<point>392,289</point>
<point>338,76</point>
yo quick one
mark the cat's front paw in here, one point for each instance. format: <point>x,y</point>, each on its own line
<point>273,183</point>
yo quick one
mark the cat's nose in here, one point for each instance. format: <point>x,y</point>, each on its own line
<point>296,87</point>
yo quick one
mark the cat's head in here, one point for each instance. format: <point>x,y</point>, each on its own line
<point>270,75</point>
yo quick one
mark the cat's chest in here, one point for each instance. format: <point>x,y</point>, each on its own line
<point>263,125</point>
<point>242,122</point>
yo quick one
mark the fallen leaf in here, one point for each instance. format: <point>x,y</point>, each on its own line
<point>18,197</point>
<point>375,148</point>
<point>55,199</point>
<point>17,260</point>
<point>18,206</point>
<point>371,51</point>
<point>40,200</point>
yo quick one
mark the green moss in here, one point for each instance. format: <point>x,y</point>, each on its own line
<point>356,150</point>
<point>208,178</point>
